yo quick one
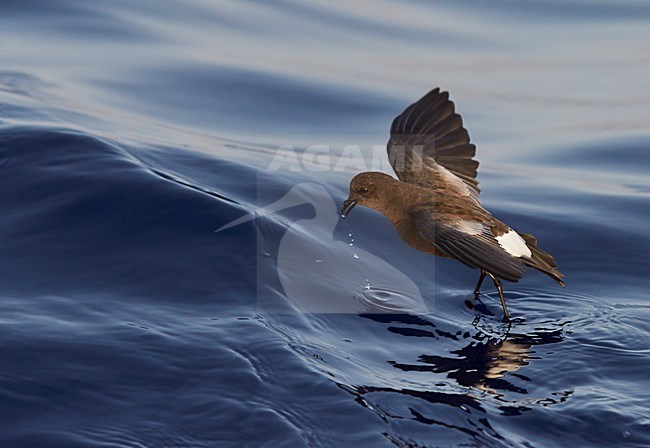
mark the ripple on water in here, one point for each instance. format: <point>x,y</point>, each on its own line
<point>463,379</point>
<point>382,299</point>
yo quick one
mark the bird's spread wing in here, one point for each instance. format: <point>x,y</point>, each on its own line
<point>430,148</point>
<point>470,242</point>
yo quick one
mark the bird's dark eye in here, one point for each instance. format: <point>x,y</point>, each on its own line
<point>364,190</point>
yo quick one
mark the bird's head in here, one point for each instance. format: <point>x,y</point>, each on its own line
<point>370,189</point>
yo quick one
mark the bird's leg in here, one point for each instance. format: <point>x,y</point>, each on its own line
<point>480,282</point>
<point>497,283</point>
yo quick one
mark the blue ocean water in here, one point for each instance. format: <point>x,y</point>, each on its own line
<point>131,131</point>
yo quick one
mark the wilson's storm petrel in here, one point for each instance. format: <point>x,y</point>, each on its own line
<point>434,204</point>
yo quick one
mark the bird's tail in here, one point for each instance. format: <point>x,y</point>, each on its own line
<point>540,260</point>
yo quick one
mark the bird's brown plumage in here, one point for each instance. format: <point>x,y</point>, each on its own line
<point>434,204</point>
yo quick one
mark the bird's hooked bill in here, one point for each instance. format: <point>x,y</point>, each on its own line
<point>348,205</point>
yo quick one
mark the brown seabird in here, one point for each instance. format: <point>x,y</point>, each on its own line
<point>434,204</point>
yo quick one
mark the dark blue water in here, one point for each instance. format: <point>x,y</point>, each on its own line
<point>130,132</point>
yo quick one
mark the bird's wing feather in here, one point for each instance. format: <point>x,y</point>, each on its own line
<point>428,143</point>
<point>470,242</point>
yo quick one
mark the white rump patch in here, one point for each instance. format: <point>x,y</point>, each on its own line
<point>514,244</point>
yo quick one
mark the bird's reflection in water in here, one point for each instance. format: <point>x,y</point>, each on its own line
<point>486,359</point>
<point>487,368</point>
